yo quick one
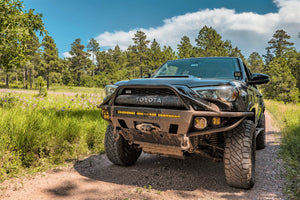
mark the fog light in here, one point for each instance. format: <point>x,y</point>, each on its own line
<point>105,114</point>
<point>200,122</point>
<point>216,121</point>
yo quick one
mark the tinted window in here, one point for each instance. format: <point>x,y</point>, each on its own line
<point>200,67</point>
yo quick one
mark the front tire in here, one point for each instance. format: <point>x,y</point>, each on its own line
<point>119,151</point>
<point>239,155</point>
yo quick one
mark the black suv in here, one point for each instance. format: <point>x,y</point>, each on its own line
<point>210,106</point>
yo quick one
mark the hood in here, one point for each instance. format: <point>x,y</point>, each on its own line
<point>189,82</point>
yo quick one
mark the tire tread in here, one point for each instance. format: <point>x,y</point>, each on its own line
<point>238,166</point>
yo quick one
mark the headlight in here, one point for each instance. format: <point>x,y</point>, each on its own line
<point>109,89</point>
<point>227,93</point>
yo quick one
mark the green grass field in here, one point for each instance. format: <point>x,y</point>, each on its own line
<point>36,133</point>
<point>84,90</point>
<point>287,117</point>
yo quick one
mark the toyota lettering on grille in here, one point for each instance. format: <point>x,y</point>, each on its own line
<point>148,100</point>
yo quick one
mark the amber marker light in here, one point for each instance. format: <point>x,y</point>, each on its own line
<point>216,120</point>
<point>105,114</point>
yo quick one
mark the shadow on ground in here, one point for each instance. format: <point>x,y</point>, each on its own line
<point>182,176</point>
<point>159,172</point>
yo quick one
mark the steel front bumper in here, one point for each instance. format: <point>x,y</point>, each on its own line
<point>171,121</point>
<point>179,122</point>
<point>166,131</point>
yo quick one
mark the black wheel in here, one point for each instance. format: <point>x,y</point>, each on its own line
<point>261,138</point>
<point>239,155</point>
<point>119,151</point>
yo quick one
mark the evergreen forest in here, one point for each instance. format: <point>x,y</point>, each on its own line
<point>27,52</point>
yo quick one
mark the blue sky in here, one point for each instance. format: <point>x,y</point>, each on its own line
<point>248,24</point>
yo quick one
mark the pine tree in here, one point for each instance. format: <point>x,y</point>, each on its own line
<point>155,56</point>
<point>185,48</point>
<point>101,58</point>
<point>78,60</point>
<point>210,43</point>
<point>282,84</point>
<point>34,60</point>
<point>140,49</point>
<point>256,63</point>
<point>50,57</point>
<point>279,43</point>
<point>93,47</point>
<point>293,61</point>
<point>268,57</point>
<point>168,54</point>
<point>236,52</point>
<point>133,62</point>
<point>66,75</point>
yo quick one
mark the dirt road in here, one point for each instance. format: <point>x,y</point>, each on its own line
<point>152,177</point>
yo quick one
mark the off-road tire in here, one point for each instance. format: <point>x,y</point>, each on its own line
<point>239,155</point>
<point>261,138</point>
<point>119,151</point>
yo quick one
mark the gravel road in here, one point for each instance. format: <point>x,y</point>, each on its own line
<point>152,177</point>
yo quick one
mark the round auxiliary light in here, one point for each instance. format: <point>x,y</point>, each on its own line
<point>200,122</point>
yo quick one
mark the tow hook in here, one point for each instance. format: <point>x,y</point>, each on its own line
<point>146,127</point>
<point>184,142</point>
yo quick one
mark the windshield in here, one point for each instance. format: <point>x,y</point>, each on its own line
<point>224,68</point>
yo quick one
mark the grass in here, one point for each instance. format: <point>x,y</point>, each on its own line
<point>287,117</point>
<point>36,133</point>
<point>85,90</point>
<point>70,89</point>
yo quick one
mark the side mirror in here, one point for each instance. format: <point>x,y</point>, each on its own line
<point>259,79</point>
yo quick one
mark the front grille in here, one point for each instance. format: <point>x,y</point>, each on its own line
<point>148,91</point>
<point>149,97</point>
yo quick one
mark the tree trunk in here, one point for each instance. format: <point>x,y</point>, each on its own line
<point>25,73</point>
<point>141,72</point>
<point>78,78</point>
<point>47,79</point>
<point>6,80</point>
<point>24,77</point>
<point>93,66</point>
<point>30,78</point>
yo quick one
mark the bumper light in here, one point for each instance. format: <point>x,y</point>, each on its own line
<point>216,121</point>
<point>105,114</point>
<point>200,122</point>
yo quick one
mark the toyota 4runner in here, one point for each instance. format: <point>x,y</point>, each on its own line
<point>210,106</point>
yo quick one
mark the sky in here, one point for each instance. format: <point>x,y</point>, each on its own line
<point>247,24</point>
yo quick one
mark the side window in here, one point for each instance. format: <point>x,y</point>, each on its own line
<point>248,73</point>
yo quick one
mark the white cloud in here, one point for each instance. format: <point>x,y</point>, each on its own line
<point>249,31</point>
<point>67,55</point>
